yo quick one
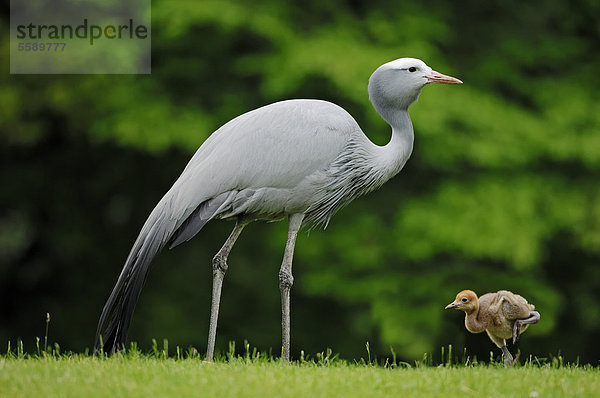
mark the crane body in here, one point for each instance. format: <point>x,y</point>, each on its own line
<point>302,158</point>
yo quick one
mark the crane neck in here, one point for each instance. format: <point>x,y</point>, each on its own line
<point>392,102</point>
<point>472,321</point>
<point>392,157</point>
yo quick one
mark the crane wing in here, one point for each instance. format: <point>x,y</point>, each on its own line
<point>514,306</point>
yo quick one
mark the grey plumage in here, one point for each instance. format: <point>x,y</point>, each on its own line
<point>297,157</point>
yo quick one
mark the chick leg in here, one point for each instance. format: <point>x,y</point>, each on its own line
<point>501,343</point>
<point>534,317</point>
<point>508,358</point>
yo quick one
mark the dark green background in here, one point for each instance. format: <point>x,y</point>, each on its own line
<point>501,191</point>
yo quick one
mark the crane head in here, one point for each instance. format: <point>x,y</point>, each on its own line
<point>398,83</point>
<point>465,301</point>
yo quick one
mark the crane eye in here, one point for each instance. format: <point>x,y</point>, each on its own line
<point>412,69</point>
<point>464,300</point>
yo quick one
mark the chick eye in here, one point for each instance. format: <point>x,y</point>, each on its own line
<point>464,300</point>
<point>412,69</point>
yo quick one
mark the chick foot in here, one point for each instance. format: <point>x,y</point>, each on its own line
<point>534,317</point>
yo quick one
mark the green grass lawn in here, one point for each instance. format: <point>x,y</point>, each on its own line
<point>137,375</point>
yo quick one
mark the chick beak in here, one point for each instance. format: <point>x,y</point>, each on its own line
<point>451,305</point>
<point>437,77</point>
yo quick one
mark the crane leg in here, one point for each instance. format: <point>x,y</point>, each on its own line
<point>286,280</point>
<point>219,269</point>
<point>534,317</point>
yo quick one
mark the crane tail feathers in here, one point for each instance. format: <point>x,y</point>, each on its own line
<point>115,319</point>
<point>161,228</point>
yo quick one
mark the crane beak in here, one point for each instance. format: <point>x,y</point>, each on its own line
<point>451,305</point>
<point>437,77</point>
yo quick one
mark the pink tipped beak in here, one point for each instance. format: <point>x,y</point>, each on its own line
<point>453,304</point>
<point>436,77</point>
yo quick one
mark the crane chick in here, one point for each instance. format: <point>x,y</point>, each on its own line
<point>503,315</point>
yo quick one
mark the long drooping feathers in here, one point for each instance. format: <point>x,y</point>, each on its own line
<point>159,230</point>
<point>349,176</point>
<point>118,310</point>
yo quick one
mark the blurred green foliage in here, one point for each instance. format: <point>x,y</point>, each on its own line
<point>501,191</point>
